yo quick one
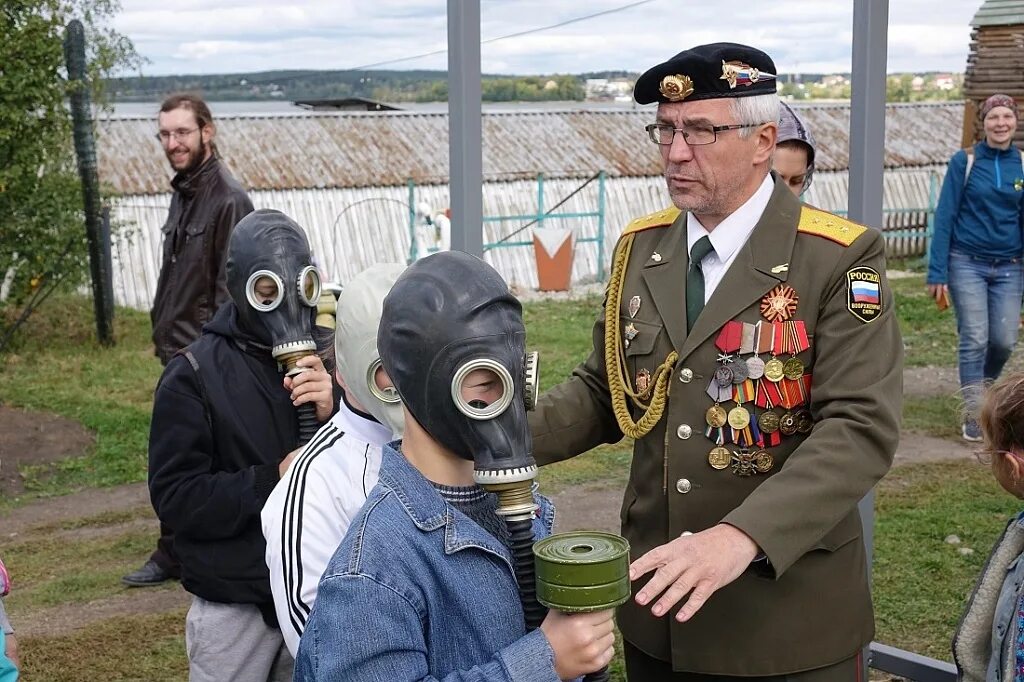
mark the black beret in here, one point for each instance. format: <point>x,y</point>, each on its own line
<point>708,72</point>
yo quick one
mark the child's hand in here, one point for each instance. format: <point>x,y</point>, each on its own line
<point>5,580</point>
<point>582,642</point>
<point>312,386</point>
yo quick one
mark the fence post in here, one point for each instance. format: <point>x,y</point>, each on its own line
<point>411,184</point>
<point>85,150</point>
<point>600,226</point>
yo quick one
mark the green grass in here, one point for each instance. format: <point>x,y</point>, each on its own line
<point>138,648</point>
<point>937,416</point>
<point>52,570</point>
<point>921,582</point>
<point>57,366</point>
<point>929,336</point>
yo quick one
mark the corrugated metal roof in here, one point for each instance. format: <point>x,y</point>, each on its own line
<point>347,150</point>
<point>999,13</point>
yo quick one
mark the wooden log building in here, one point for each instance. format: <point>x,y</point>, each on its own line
<point>995,62</point>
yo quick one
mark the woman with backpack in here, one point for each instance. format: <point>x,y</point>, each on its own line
<point>976,250</point>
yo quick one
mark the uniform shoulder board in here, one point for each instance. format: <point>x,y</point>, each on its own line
<point>828,225</point>
<point>660,218</point>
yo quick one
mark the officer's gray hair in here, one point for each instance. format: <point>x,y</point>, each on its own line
<point>755,110</point>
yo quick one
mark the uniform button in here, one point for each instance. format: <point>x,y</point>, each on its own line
<point>686,375</point>
<point>684,431</point>
<point>683,486</point>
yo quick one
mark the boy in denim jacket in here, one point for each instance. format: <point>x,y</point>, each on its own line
<point>423,586</point>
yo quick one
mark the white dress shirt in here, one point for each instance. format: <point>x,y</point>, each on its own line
<point>728,236</point>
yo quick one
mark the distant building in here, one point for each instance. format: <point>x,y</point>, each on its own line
<point>345,104</point>
<point>355,180</point>
<point>608,89</point>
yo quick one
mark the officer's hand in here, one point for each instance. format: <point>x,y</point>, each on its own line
<point>938,291</point>
<point>697,565</point>
<point>582,642</point>
<point>313,386</point>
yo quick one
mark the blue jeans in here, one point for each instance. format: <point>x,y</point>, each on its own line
<point>987,299</point>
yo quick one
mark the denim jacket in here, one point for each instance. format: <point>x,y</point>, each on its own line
<point>418,591</point>
<point>984,646</point>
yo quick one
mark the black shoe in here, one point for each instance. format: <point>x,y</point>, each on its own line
<point>149,574</point>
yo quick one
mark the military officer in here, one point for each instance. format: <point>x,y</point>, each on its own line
<point>748,345</point>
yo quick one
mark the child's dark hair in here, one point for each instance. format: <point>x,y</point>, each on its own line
<point>1002,417</point>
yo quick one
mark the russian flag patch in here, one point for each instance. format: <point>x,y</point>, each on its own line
<point>864,299</point>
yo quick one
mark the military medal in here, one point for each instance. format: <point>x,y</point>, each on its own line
<point>719,458</point>
<point>630,332</point>
<point>739,371</point>
<point>743,463</point>
<point>723,375</point>
<point>755,367</point>
<point>716,416</point>
<point>774,370</point>
<point>769,421</point>
<point>804,422</point>
<point>634,306</point>
<point>779,304</point>
<point>739,418</point>
<point>643,381</point>
<point>763,461</point>
<point>793,369</point>
<point>788,424</point>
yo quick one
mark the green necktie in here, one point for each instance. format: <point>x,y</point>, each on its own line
<point>695,281</point>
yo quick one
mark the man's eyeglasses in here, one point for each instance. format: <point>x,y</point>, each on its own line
<point>663,133</point>
<point>179,134</point>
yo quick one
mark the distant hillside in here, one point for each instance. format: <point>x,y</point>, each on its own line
<point>388,86</point>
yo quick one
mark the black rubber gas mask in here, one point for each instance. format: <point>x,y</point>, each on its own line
<point>273,283</point>
<point>452,340</point>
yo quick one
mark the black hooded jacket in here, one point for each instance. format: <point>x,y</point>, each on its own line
<point>210,472</point>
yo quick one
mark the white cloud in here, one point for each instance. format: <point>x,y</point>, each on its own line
<point>210,36</point>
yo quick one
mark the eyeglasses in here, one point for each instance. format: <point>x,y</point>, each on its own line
<point>663,133</point>
<point>180,134</point>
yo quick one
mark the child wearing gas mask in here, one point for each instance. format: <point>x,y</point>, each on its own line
<point>311,507</point>
<point>989,642</point>
<point>423,586</point>
<point>224,419</point>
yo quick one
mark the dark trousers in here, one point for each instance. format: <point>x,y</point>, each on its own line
<point>642,668</point>
<point>164,555</point>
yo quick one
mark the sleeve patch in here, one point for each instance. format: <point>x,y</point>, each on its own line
<point>864,293</point>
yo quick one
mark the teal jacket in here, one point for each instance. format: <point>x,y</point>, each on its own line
<point>982,216</point>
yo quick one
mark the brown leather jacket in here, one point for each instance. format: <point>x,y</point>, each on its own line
<point>192,285</point>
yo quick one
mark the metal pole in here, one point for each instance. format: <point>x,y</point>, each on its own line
<point>867,146</point>
<point>867,162</point>
<point>465,126</point>
<point>411,184</point>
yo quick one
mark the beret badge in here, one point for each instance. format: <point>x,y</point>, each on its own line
<point>737,73</point>
<point>676,87</point>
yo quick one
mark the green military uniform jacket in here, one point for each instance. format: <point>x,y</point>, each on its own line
<point>809,605</point>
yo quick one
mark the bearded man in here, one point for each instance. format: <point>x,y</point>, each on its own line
<point>206,205</point>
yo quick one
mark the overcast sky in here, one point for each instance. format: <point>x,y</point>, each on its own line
<point>810,36</point>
